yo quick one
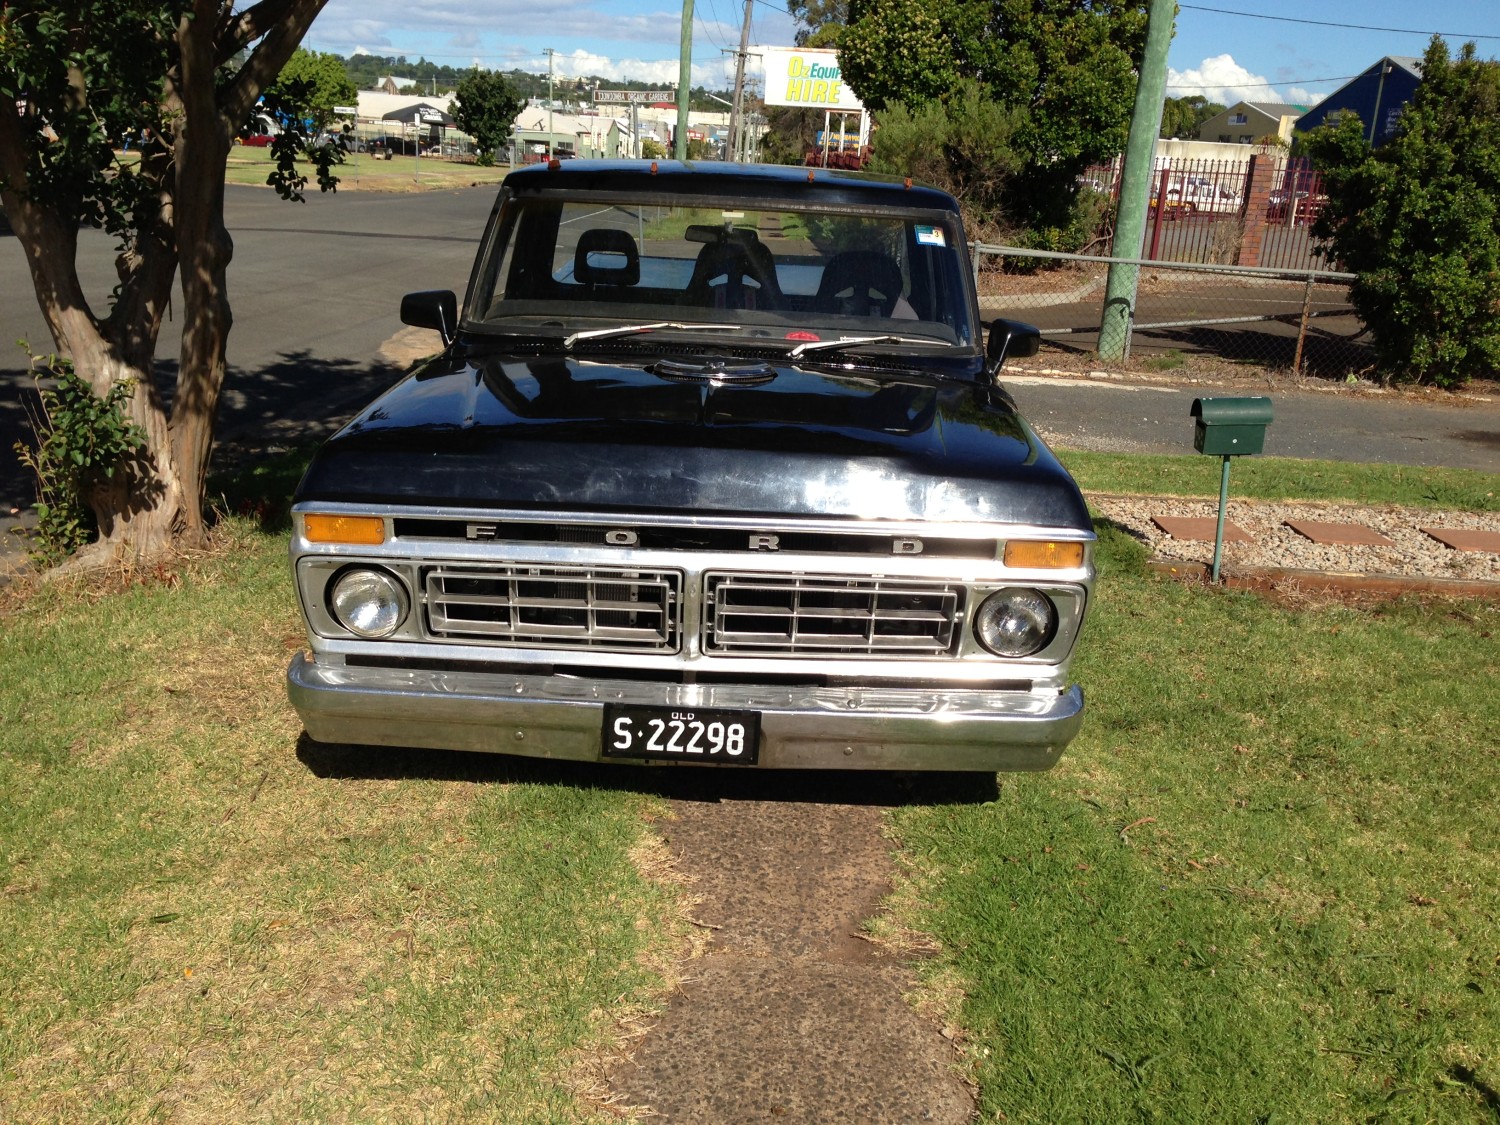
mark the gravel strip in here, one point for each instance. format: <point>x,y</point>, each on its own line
<point>1276,545</point>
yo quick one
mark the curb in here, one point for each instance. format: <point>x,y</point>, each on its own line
<point>1277,579</point>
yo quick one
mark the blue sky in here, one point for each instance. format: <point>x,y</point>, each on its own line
<point>1226,56</point>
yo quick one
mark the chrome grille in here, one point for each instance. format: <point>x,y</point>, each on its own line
<point>771,615</point>
<point>611,609</point>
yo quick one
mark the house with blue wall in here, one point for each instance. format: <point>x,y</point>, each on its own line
<point>1377,97</point>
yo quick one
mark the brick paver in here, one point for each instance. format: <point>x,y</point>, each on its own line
<point>1201,528</point>
<point>1465,538</point>
<point>1339,534</point>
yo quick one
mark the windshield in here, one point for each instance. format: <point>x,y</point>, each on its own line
<point>577,267</point>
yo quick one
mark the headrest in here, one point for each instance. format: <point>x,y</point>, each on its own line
<point>607,256</point>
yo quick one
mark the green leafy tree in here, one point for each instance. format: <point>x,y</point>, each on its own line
<point>1181,118</point>
<point>1064,68</point>
<point>791,132</point>
<point>1418,220</point>
<point>317,83</point>
<point>175,79</point>
<point>962,145</point>
<point>485,107</point>
<point>818,21</point>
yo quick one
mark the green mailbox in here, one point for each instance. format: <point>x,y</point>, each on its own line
<point>1228,427</point>
<point>1231,426</point>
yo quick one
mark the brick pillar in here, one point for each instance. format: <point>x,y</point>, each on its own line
<point>1257,201</point>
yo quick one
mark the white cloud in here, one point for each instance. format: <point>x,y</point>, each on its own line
<point>580,63</point>
<point>1221,79</point>
<point>1298,96</point>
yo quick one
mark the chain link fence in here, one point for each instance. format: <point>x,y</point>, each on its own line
<point>1296,320</point>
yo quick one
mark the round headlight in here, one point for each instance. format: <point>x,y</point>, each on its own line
<point>1015,622</point>
<point>369,603</point>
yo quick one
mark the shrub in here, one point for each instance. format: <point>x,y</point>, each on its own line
<point>82,441</point>
<point>1419,222</point>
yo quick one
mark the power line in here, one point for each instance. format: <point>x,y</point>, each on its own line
<point>1248,85</point>
<point>1327,23</point>
<point>711,26</point>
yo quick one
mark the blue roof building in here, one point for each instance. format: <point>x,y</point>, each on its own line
<point>1377,97</point>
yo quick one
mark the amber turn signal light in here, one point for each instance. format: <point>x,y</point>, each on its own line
<point>1043,554</point>
<point>366,530</point>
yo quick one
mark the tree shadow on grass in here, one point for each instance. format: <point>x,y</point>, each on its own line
<point>348,762</point>
<point>271,422</point>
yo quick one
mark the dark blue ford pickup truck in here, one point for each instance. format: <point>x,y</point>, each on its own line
<point>714,467</point>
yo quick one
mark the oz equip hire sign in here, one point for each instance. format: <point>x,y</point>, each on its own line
<point>807,78</point>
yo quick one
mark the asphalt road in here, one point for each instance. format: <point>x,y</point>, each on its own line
<point>1133,416</point>
<point>316,290</point>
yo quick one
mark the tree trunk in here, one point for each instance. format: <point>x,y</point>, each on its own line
<point>155,502</point>
<point>140,506</point>
<point>204,249</point>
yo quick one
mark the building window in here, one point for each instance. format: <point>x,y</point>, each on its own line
<point>1224,138</point>
<point>1245,138</point>
<point>1238,119</point>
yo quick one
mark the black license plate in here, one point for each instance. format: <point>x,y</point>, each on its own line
<point>682,734</point>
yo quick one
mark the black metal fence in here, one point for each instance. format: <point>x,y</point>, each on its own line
<point>1203,210</point>
<point>1296,320</point>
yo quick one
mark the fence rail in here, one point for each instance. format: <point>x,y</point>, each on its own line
<point>1296,319</point>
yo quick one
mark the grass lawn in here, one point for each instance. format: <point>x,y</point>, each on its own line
<point>208,920</point>
<point>1285,478</point>
<point>1262,885</point>
<point>362,172</point>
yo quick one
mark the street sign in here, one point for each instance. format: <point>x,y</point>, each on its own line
<point>345,109</point>
<point>640,97</point>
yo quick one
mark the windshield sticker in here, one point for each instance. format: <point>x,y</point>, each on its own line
<point>808,336</point>
<point>930,236</point>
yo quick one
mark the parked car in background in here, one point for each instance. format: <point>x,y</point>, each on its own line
<point>715,467</point>
<point>1300,207</point>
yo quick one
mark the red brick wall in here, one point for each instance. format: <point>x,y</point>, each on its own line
<point>1257,201</point>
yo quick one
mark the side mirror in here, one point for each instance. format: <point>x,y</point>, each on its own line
<point>1010,339</point>
<point>432,308</point>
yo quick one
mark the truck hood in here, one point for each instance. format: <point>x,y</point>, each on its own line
<point>560,433</point>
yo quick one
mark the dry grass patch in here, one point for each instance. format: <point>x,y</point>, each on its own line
<point>210,918</point>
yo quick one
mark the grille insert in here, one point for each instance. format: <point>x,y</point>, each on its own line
<point>612,609</point>
<point>773,615</point>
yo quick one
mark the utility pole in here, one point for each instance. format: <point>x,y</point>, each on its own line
<point>684,81</point>
<point>737,111</point>
<point>551,151</point>
<point>1135,183</point>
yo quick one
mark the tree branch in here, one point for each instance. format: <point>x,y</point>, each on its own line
<point>279,40</point>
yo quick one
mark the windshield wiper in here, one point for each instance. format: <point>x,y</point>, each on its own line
<point>632,329</point>
<point>853,341</point>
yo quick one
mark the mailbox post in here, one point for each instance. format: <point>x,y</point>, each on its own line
<point>1229,427</point>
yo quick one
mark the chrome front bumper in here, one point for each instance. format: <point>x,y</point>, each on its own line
<point>801,727</point>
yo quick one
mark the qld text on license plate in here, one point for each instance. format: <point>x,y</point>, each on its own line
<point>681,734</point>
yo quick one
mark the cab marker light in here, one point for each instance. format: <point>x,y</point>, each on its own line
<point>1043,554</point>
<point>362,530</point>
